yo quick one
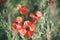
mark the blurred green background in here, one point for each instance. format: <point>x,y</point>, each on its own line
<point>8,11</point>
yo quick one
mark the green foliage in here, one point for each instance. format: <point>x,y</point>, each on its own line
<point>58,3</point>
<point>3,34</point>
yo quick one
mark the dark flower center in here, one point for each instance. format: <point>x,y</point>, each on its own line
<point>27,28</point>
<point>16,22</point>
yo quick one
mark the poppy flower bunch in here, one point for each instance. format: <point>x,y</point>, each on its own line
<point>36,17</point>
<point>28,27</point>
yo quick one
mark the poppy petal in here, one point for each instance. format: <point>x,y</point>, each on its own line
<point>29,34</point>
<point>35,18</point>
<point>23,10</point>
<point>18,6</point>
<point>19,19</point>
<point>14,27</point>
<point>38,13</point>
<point>22,31</point>
<point>19,26</point>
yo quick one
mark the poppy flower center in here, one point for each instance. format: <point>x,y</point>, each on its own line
<point>27,28</point>
<point>16,22</point>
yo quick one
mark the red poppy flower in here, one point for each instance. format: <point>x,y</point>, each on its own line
<point>18,6</point>
<point>30,25</point>
<point>35,18</point>
<point>16,26</point>
<point>19,19</point>
<point>23,10</point>
<point>38,13</point>
<point>49,1</point>
<point>27,29</point>
<point>2,1</point>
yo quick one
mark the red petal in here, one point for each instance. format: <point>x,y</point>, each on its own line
<point>19,19</point>
<point>29,34</point>
<point>38,13</point>
<point>32,15</point>
<point>19,26</point>
<point>31,26</point>
<point>23,10</point>
<point>35,18</point>
<point>26,23</point>
<point>18,6</point>
<point>14,27</point>
<point>22,31</point>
